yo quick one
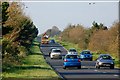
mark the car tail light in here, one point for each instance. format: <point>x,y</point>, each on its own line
<point>65,60</point>
<point>78,60</point>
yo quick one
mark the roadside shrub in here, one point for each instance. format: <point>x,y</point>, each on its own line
<point>23,52</point>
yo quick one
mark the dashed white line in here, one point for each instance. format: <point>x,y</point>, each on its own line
<point>115,75</point>
<point>95,70</point>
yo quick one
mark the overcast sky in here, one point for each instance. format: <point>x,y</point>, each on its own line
<point>60,14</point>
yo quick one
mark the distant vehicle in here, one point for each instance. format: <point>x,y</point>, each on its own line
<point>86,55</point>
<point>72,60</point>
<point>45,39</point>
<point>52,41</point>
<point>72,51</point>
<point>104,60</point>
<point>56,53</point>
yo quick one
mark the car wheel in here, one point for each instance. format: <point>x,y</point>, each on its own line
<point>60,57</point>
<point>111,67</point>
<point>91,59</point>
<point>79,67</point>
<point>49,54</point>
<point>98,67</point>
<point>64,67</point>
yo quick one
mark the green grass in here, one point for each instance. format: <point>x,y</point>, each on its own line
<point>34,67</point>
<point>68,45</point>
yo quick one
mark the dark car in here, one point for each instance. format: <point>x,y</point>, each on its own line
<point>86,55</point>
<point>104,60</point>
<point>52,41</point>
<point>72,60</point>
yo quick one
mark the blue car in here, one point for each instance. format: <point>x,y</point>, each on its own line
<point>72,60</point>
<point>52,41</point>
<point>86,55</point>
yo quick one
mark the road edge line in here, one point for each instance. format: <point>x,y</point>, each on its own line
<point>52,66</point>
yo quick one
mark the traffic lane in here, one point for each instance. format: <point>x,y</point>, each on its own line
<point>92,72</point>
<point>46,50</point>
<point>86,69</point>
<point>75,73</point>
<point>51,45</point>
<point>90,77</point>
<point>84,64</point>
<point>88,63</point>
<point>54,62</point>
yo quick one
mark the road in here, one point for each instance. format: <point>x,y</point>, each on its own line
<point>87,71</point>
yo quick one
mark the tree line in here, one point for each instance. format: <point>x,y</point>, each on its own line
<point>98,38</point>
<point>18,33</point>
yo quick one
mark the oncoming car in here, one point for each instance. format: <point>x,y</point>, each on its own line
<point>104,60</point>
<point>72,60</point>
<point>86,55</point>
<point>56,53</point>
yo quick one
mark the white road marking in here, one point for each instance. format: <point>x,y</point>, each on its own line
<point>83,66</point>
<point>95,70</point>
<point>115,75</point>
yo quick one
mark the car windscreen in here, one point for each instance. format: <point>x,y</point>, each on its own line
<point>106,57</point>
<point>72,57</point>
<point>52,41</point>
<point>85,52</point>
<point>72,50</point>
<point>56,51</point>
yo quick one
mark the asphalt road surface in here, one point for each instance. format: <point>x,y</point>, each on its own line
<point>87,71</point>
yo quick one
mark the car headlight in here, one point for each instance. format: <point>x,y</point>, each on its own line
<point>82,56</point>
<point>90,55</point>
<point>100,63</point>
<point>112,62</point>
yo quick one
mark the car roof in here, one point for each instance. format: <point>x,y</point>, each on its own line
<point>85,50</point>
<point>56,49</point>
<point>71,54</point>
<point>72,48</point>
<point>104,54</point>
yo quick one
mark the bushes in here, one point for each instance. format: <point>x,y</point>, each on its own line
<point>19,33</point>
<point>98,38</point>
<point>74,34</point>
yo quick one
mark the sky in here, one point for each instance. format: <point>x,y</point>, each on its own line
<point>45,15</point>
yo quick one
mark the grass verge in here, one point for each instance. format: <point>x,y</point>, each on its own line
<point>34,67</point>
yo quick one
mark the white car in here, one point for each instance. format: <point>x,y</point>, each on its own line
<point>72,51</point>
<point>51,50</point>
<point>56,53</point>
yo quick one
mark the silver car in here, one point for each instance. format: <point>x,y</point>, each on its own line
<point>104,60</point>
<point>56,53</point>
<point>72,51</point>
<point>52,49</point>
